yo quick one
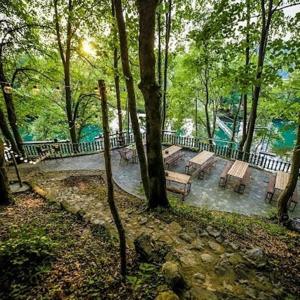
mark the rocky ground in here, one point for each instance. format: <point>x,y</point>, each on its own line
<point>200,255</point>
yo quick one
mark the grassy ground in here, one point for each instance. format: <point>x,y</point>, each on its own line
<point>46,253</point>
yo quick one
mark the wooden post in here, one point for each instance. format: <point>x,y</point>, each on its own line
<point>16,169</point>
<point>110,186</point>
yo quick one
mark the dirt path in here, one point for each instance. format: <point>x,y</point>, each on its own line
<point>212,266</point>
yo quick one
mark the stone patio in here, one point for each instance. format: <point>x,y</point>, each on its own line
<point>204,192</point>
<point>207,192</point>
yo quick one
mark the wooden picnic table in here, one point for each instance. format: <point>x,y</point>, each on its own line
<point>178,178</point>
<point>170,151</point>
<point>201,158</point>
<point>238,169</point>
<point>281,181</point>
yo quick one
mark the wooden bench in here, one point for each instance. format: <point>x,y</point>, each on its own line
<point>271,188</point>
<point>223,176</point>
<point>173,159</point>
<point>179,179</point>
<point>205,168</point>
<point>240,188</point>
<point>293,201</point>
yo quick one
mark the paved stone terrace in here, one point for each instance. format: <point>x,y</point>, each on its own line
<point>204,192</point>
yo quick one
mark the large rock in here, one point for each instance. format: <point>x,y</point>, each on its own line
<point>294,224</point>
<point>150,250</point>
<point>167,295</point>
<point>172,275</point>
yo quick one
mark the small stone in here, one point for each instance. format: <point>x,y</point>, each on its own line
<point>188,259</point>
<point>251,292</point>
<point>198,246</point>
<point>257,257</point>
<point>173,227</point>
<point>233,246</point>
<point>215,246</point>
<point>207,258</point>
<point>172,275</point>
<point>185,237</point>
<point>167,295</point>
<point>213,232</point>
<point>220,270</point>
<point>241,271</point>
<point>199,277</point>
<point>143,221</point>
<point>227,286</point>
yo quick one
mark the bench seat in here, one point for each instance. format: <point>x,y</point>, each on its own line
<point>271,188</point>
<point>223,176</point>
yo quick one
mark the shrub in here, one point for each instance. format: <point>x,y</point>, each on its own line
<point>24,255</point>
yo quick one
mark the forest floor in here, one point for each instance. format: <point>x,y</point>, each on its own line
<point>219,255</point>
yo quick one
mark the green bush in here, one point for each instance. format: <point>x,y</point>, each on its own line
<point>24,256</point>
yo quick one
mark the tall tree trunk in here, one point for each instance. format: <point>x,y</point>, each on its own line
<point>7,134</point>
<point>206,108</point>
<point>159,56</point>
<point>66,61</point>
<point>151,93</point>
<point>166,62</point>
<point>292,183</point>
<point>116,73</point>
<point>5,195</point>
<point>266,23</point>
<point>247,63</point>
<point>109,181</point>
<point>131,95</point>
<point>235,120</point>
<point>11,112</point>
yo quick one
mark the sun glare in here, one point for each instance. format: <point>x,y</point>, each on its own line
<point>88,48</point>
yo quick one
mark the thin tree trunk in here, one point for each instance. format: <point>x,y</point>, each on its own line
<point>206,109</point>
<point>151,93</point>
<point>235,120</point>
<point>7,134</point>
<point>116,74</point>
<point>266,23</point>
<point>131,95</point>
<point>11,112</point>
<point>247,63</point>
<point>66,58</point>
<point>166,62</point>
<point>292,183</point>
<point>110,186</point>
<point>5,195</point>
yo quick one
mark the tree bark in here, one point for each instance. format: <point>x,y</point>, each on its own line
<point>7,134</point>
<point>166,62</point>
<point>11,112</point>
<point>159,56</point>
<point>5,195</point>
<point>247,63</point>
<point>292,183</point>
<point>66,61</point>
<point>116,74</point>
<point>151,93</point>
<point>131,95</point>
<point>266,23</point>
<point>109,181</point>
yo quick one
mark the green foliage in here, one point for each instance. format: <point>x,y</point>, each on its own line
<point>24,256</point>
